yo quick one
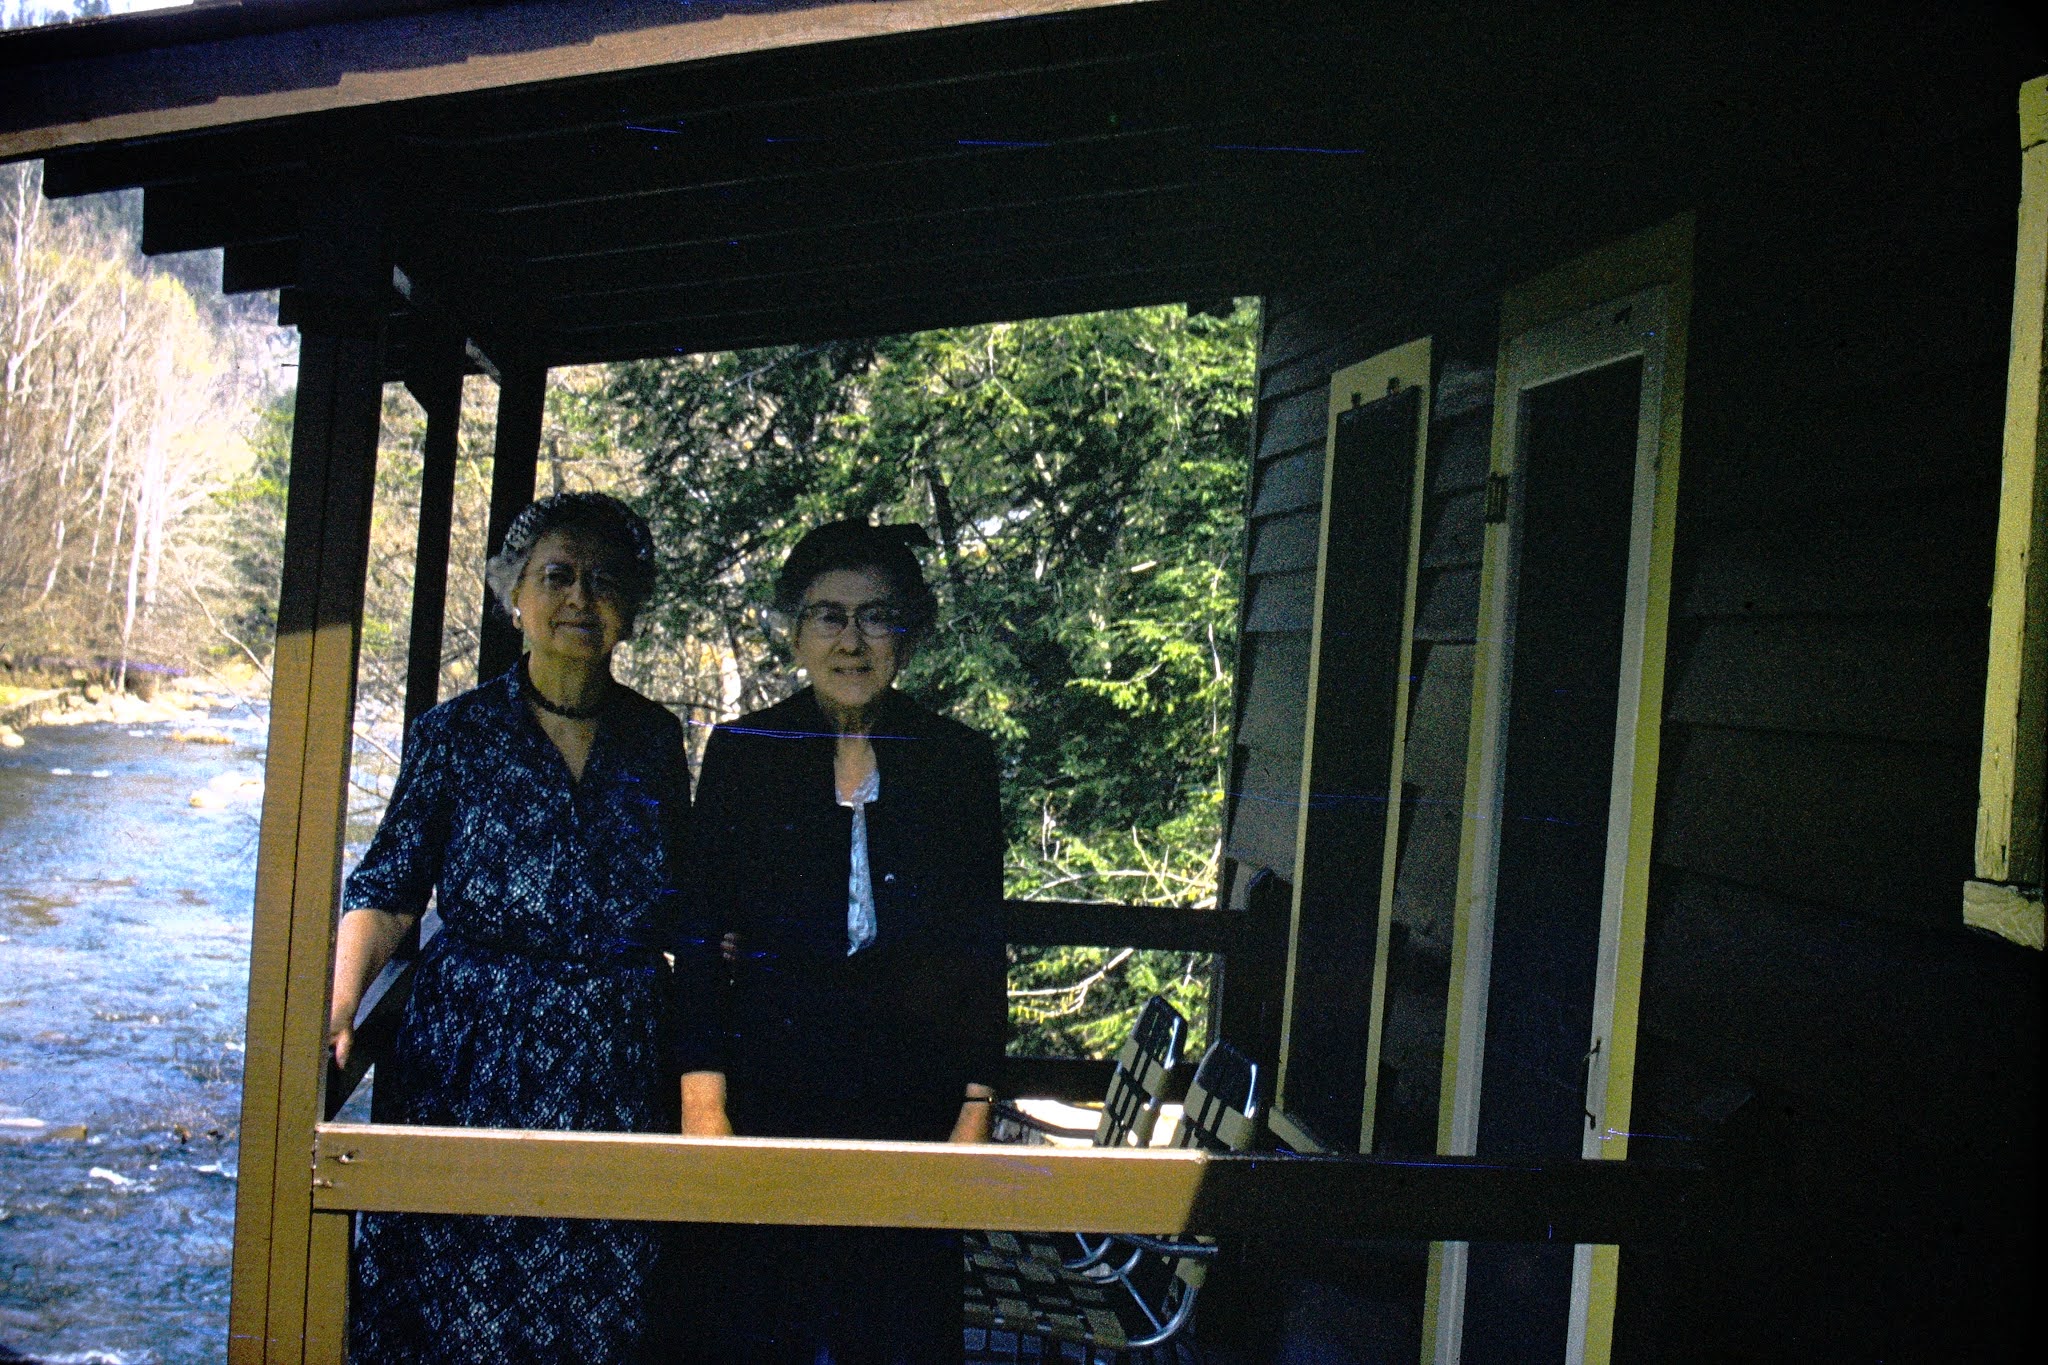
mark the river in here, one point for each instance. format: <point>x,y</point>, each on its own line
<point>124,967</point>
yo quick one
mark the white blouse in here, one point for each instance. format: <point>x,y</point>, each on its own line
<point>860,885</point>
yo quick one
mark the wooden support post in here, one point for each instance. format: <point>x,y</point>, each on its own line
<point>522,396</point>
<point>438,386</point>
<point>1253,976</point>
<point>347,277</point>
<point>2005,897</point>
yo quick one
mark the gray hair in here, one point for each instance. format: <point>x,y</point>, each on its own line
<point>598,516</point>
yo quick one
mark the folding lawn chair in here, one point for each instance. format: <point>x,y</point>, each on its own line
<point>1022,1294</point>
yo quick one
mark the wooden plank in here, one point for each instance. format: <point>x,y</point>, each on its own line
<point>1872,826</point>
<point>1427,876</point>
<point>1289,485</point>
<point>1460,453</point>
<point>515,456</point>
<point>1437,719</point>
<point>1914,1034</point>
<point>941,266</point>
<point>1293,424</point>
<point>334,442</point>
<point>1432,817</point>
<point>675,137</point>
<point>754,1180</point>
<point>1264,814</point>
<point>253,267</point>
<point>2010,780</point>
<point>1418,979</point>
<point>1301,321</point>
<point>315,889</point>
<point>1454,534</point>
<point>2007,911</point>
<point>818,206</point>
<point>938,1185</point>
<point>1449,609</point>
<point>777,234</point>
<point>1908,678</point>
<point>100,170</point>
<point>1813,562</point>
<point>1462,391</point>
<point>1122,926</point>
<point>1283,544</point>
<point>327,1290</point>
<point>437,384</point>
<point>1924,426</point>
<point>263,207</point>
<point>269,952</point>
<point>906,308</point>
<point>1273,682</point>
<point>346,66</point>
<point>1281,602</point>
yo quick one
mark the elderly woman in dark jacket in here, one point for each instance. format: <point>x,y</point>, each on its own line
<point>852,841</point>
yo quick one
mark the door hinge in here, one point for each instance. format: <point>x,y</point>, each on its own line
<point>1496,499</point>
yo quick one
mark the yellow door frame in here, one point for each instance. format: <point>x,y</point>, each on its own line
<point>1390,372</point>
<point>1652,270</point>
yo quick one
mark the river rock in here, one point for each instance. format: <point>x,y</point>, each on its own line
<point>201,737</point>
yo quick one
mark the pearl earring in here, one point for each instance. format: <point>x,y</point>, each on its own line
<point>515,617</point>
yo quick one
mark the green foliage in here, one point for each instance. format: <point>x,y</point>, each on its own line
<point>1083,478</point>
<point>250,531</point>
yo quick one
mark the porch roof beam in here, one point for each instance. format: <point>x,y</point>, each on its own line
<point>1095,292</point>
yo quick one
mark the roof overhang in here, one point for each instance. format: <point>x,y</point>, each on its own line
<point>584,182</point>
<point>219,65</point>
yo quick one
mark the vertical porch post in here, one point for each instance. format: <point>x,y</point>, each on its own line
<point>289,1263</point>
<point>437,384</point>
<point>522,395</point>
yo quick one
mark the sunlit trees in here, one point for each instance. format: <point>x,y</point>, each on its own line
<point>120,416</point>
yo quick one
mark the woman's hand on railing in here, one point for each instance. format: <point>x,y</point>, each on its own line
<point>363,943</point>
<point>704,1105</point>
<point>976,1116</point>
<point>341,1033</point>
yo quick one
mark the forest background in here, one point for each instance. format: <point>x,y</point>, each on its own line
<point>1081,478</point>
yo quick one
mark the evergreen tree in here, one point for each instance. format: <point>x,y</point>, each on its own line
<point>1083,479</point>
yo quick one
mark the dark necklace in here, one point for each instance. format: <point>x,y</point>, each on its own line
<point>565,712</point>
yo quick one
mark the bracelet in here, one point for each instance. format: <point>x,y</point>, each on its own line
<point>979,1099</point>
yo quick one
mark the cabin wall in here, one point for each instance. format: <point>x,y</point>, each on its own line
<point>1861,1070</point>
<point>1857,1071</point>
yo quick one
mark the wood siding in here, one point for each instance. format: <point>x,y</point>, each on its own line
<point>1816,1021</point>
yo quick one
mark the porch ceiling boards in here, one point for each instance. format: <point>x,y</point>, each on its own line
<point>671,188</point>
<point>943,177</point>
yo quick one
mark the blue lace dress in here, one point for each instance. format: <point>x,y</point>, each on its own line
<point>544,1002</point>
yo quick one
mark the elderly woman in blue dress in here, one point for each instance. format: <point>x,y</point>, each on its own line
<point>543,812</point>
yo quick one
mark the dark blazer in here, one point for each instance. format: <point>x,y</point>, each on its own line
<point>879,1045</point>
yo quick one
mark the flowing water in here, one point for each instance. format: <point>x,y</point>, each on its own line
<point>127,866</point>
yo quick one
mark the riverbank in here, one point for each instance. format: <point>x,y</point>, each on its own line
<point>193,707</point>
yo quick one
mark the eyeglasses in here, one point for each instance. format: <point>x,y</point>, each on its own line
<point>558,576</point>
<point>875,621</point>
